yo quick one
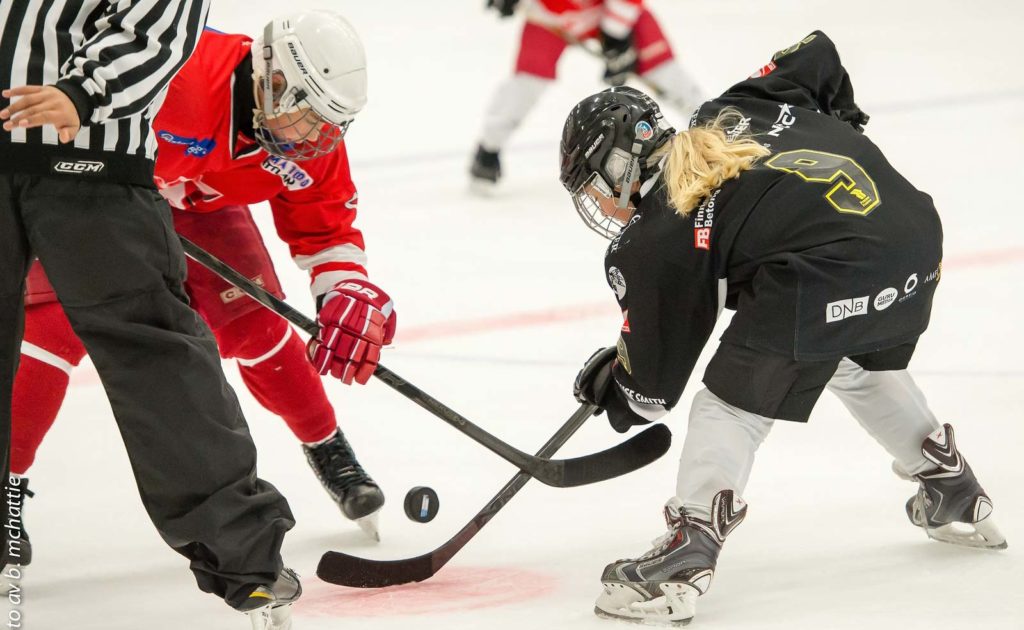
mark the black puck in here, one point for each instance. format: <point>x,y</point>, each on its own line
<point>421,504</point>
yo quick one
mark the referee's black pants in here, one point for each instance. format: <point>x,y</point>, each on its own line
<point>112,256</point>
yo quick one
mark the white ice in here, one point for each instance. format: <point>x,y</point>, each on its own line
<point>500,301</point>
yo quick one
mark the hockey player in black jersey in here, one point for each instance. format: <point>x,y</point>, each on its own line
<point>776,205</point>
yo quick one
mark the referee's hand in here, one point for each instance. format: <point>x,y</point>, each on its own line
<point>40,105</point>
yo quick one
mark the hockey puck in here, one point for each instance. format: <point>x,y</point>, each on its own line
<point>421,504</point>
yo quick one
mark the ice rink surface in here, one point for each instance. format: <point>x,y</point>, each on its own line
<point>500,300</point>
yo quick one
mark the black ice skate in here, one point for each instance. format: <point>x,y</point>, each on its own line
<point>358,496</point>
<point>270,607</point>
<point>662,585</point>
<point>950,504</point>
<point>485,170</point>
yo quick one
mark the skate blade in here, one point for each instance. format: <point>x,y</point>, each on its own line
<point>981,535</point>
<point>621,602</point>
<point>370,524</point>
<point>271,617</point>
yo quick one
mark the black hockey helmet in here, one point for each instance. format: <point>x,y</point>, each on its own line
<point>607,144</point>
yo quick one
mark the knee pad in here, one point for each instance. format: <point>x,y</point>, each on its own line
<point>252,336</point>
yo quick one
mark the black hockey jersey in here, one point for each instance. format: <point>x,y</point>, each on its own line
<point>822,248</point>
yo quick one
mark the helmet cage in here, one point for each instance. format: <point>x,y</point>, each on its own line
<point>590,199</point>
<point>610,186</point>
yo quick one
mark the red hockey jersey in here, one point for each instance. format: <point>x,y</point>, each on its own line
<point>207,159</point>
<point>582,18</point>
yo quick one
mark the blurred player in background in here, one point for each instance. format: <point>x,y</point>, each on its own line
<point>237,128</point>
<point>632,43</point>
<point>776,205</point>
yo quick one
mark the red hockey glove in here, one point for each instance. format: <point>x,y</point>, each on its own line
<point>356,319</point>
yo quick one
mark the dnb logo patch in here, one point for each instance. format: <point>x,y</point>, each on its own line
<point>193,146</point>
<point>643,130</point>
<point>842,309</point>
<point>617,282</point>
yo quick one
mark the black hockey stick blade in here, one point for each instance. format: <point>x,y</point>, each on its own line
<point>624,458</point>
<point>340,568</point>
<point>346,570</point>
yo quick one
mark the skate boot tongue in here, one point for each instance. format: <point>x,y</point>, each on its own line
<point>675,519</point>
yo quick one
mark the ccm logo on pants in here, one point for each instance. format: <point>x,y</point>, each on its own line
<point>837,311</point>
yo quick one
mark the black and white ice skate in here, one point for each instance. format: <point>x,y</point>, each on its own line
<point>662,586</point>
<point>358,495</point>
<point>485,171</point>
<point>270,607</point>
<point>950,504</point>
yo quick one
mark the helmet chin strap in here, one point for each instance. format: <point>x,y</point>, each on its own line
<point>629,178</point>
<point>268,71</point>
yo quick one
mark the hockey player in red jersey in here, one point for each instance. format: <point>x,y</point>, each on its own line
<point>631,42</point>
<point>240,127</point>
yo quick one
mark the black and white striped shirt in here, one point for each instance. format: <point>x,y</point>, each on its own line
<point>114,59</point>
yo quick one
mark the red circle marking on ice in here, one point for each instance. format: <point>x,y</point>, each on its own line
<point>454,589</point>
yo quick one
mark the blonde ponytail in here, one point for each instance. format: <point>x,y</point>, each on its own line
<point>702,158</point>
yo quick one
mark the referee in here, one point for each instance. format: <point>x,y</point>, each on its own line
<point>80,81</point>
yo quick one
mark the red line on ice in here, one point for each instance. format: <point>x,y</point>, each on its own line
<point>452,590</point>
<point>584,311</point>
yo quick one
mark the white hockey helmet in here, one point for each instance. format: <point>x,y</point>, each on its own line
<point>312,70</point>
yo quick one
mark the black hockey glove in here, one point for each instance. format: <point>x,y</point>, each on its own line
<point>595,385</point>
<point>592,382</point>
<point>855,117</point>
<point>620,58</point>
<point>504,7</point>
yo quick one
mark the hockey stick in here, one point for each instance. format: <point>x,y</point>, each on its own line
<point>623,458</point>
<point>340,568</point>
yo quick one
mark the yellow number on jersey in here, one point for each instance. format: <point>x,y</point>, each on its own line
<point>853,190</point>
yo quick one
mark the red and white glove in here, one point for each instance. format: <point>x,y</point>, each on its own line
<point>356,319</point>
